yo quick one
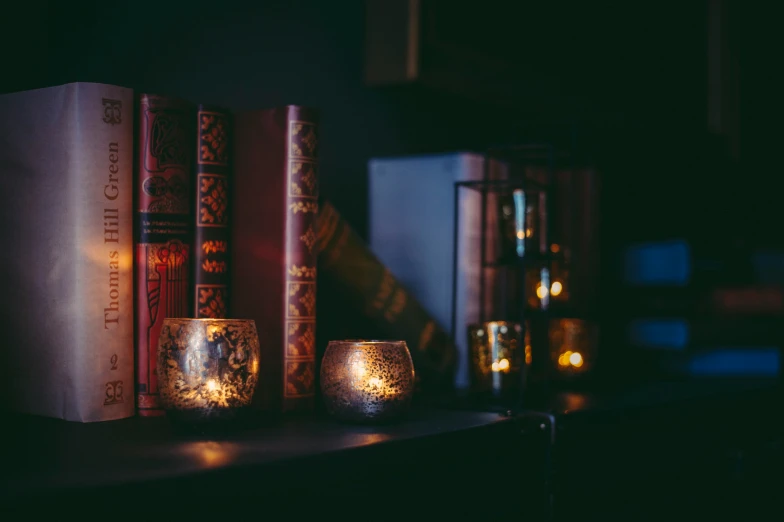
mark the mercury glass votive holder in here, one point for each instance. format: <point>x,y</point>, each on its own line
<point>499,354</point>
<point>367,381</point>
<point>208,369</point>
<point>573,346</point>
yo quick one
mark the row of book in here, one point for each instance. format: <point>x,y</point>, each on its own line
<point>123,209</point>
<point>696,313</point>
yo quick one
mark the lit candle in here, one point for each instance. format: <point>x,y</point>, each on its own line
<point>207,368</point>
<point>497,357</point>
<point>573,343</point>
<point>367,380</point>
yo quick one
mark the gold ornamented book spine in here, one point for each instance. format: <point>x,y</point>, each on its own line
<point>302,209</point>
<point>66,155</point>
<point>163,244</point>
<point>273,260</point>
<point>345,259</point>
<point>212,201</point>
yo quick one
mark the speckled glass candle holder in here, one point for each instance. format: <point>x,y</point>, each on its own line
<point>367,381</point>
<point>207,368</point>
<point>573,346</point>
<point>499,355</point>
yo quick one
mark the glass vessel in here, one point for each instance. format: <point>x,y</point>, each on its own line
<point>367,381</point>
<point>499,357</point>
<point>573,345</point>
<point>207,368</point>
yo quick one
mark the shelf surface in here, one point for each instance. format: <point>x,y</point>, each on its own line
<point>54,454</point>
<point>428,457</point>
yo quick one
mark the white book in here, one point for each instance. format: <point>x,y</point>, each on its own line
<point>66,163</point>
<point>412,232</point>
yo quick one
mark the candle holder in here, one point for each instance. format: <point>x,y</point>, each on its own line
<point>573,346</point>
<point>499,356</point>
<point>207,368</point>
<point>367,381</point>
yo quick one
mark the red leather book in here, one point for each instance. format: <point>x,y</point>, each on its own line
<point>752,300</point>
<point>165,156</point>
<point>273,249</point>
<point>211,231</point>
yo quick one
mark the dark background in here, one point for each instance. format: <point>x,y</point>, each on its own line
<point>624,83</point>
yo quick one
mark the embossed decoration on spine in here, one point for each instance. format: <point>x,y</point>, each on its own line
<point>211,240</point>
<point>163,241</point>
<point>300,341</point>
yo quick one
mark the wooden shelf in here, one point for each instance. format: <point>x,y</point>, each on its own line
<point>136,464</point>
<point>610,443</point>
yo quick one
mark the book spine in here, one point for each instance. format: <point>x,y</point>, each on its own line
<point>301,256</point>
<point>468,297</point>
<point>66,154</point>
<point>379,296</point>
<point>752,300</point>
<point>163,231</point>
<point>102,352</point>
<point>212,203</point>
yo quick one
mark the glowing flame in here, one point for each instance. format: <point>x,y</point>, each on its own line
<point>556,288</point>
<point>500,366</point>
<point>570,358</point>
<point>358,369</point>
<point>213,331</point>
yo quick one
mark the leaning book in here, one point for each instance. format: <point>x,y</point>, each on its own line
<point>66,163</point>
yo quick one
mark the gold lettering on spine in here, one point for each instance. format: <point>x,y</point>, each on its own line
<point>111,190</point>
<point>111,234</point>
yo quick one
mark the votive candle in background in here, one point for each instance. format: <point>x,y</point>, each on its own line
<point>207,368</point>
<point>366,381</point>
<point>573,345</point>
<point>498,356</point>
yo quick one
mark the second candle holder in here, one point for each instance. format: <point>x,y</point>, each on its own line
<point>367,381</point>
<point>499,357</point>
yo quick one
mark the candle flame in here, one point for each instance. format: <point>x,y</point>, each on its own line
<point>500,366</point>
<point>570,358</point>
<point>358,369</point>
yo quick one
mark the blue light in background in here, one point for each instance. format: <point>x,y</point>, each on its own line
<point>658,264</point>
<point>662,334</point>
<point>736,362</point>
<point>768,267</point>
